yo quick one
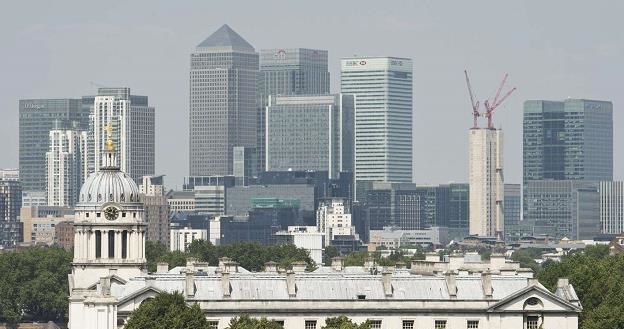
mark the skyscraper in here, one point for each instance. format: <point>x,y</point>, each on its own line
<point>612,207</point>
<point>568,140</point>
<point>310,133</point>
<point>383,117</point>
<point>223,80</point>
<point>485,174</point>
<point>297,71</point>
<point>10,203</point>
<point>132,121</point>
<point>65,164</point>
<point>36,118</point>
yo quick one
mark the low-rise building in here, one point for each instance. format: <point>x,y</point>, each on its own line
<point>64,234</point>
<point>306,237</point>
<point>39,223</point>
<point>182,237</point>
<point>394,238</point>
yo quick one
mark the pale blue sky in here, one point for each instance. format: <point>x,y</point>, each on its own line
<point>551,49</point>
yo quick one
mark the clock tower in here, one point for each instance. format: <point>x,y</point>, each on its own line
<point>109,240</point>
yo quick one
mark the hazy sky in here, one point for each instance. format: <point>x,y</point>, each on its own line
<point>551,49</point>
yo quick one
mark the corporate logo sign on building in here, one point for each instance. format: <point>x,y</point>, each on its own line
<point>371,64</point>
<point>33,106</point>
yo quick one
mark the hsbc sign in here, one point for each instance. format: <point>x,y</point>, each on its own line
<point>355,63</point>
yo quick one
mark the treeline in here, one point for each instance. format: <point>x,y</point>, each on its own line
<point>250,255</point>
<point>34,285</point>
<point>598,279</point>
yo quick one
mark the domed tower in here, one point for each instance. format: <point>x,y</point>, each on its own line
<point>109,236</point>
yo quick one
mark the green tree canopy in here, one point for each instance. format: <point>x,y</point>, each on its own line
<point>34,285</point>
<point>245,322</point>
<point>167,311</point>
<point>342,322</point>
<point>250,255</point>
<point>599,282</point>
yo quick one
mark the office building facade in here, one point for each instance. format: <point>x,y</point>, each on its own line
<point>36,118</point>
<point>295,71</point>
<point>569,208</point>
<point>514,227</point>
<point>65,166</point>
<point>612,207</point>
<point>156,209</point>
<point>333,218</point>
<point>568,140</point>
<point>485,174</point>
<point>383,120</point>
<point>223,80</point>
<point>132,126</point>
<point>310,133</point>
<point>10,203</point>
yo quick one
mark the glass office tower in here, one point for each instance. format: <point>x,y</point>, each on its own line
<point>568,140</point>
<point>297,71</point>
<point>36,118</point>
<point>383,118</point>
<point>223,79</point>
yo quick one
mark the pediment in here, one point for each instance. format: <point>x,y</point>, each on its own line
<point>114,280</point>
<point>524,301</point>
<point>141,294</point>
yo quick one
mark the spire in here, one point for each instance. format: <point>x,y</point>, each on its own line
<point>226,39</point>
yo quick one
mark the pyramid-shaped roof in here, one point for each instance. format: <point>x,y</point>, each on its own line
<point>227,39</point>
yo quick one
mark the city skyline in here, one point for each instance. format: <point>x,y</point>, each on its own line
<point>579,61</point>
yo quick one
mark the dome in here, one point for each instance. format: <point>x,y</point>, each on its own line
<point>109,186</point>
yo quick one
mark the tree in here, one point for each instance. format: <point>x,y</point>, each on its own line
<point>599,283</point>
<point>33,284</point>
<point>342,322</point>
<point>154,251</point>
<point>329,253</point>
<point>245,322</point>
<point>526,258</point>
<point>167,311</point>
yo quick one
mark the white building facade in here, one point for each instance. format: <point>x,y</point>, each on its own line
<point>383,117</point>
<point>65,163</point>
<point>612,207</point>
<point>305,237</point>
<point>485,174</point>
<point>333,217</point>
<point>132,122</point>
<point>181,237</point>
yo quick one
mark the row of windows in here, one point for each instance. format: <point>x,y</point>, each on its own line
<point>406,324</point>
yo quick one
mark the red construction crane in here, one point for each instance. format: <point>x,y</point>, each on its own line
<point>475,104</point>
<point>490,107</point>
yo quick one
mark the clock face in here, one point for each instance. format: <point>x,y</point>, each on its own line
<point>111,213</point>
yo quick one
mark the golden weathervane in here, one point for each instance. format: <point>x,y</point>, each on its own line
<point>109,134</point>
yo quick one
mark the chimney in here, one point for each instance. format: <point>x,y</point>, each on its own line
<point>563,283</point>
<point>369,263</point>
<point>223,263</point>
<point>105,285</point>
<point>486,278</point>
<point>270,267</point>
<point>290,284</point>
<point>225,284</point>
<point>299,267</point>
<point>432,257</point>
<point>456,260</point>
<point>162,267</point>
<point>386,280</point>
<point>337,264</point>
<point>189,287</point>
<point>497,262</point>
<point>190,263</point>
<point>451,285</point>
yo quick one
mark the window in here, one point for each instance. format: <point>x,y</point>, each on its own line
<point>124,244</point>
<point>375,324</point>
<point>310,324</point>
<point>111,244</point>
<point>472,324</point>
<point>440,324</point>
<point>98,244</point>
<point>279,322</point>
<point>213,324</point>
<point>532,322</point>
<point>408,324</point>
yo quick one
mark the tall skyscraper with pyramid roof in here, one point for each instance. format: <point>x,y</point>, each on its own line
<point>223,78</point>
